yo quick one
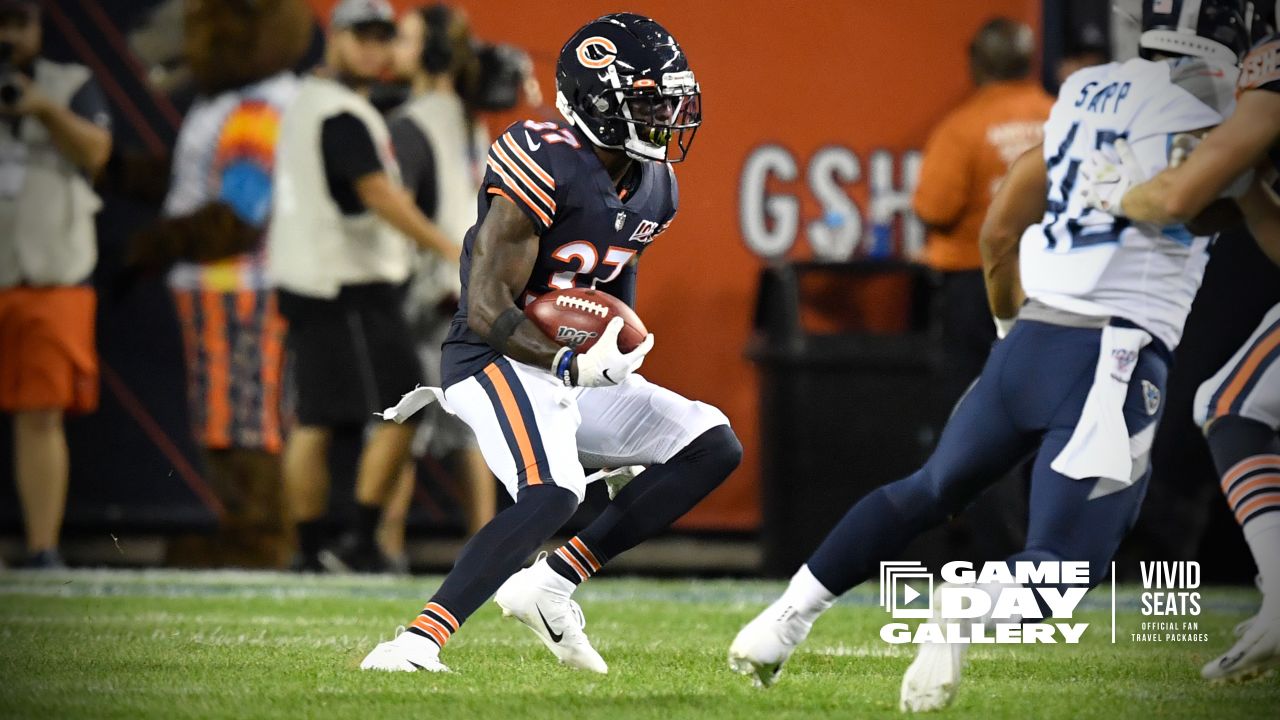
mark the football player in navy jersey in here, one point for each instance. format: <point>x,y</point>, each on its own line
<point>564,205</point>
<point>1239,407</point>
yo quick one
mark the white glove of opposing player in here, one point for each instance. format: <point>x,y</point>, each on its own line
<point>604,364</point>
<point>1106,178</point>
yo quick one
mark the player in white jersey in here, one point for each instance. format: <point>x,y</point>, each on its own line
<point>1239,407</point>
<point>1086,261</point>
<point>1078,380</point>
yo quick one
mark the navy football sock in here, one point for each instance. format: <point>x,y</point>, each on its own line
<point>651,502</point>
<point>1233,439</point>
<point>493,555</point>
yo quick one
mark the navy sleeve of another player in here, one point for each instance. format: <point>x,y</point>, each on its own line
<point>520,169</point>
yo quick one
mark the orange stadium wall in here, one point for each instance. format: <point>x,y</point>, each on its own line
<point>814,115</point>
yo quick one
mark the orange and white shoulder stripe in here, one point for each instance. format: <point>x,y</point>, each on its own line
<point>524,176</point>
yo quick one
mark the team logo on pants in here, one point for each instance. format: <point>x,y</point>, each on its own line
<point>572,337</point>
<point>1151,395</point>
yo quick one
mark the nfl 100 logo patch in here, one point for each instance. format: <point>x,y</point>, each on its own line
<point>572,337</point>
<point>1123,358</point>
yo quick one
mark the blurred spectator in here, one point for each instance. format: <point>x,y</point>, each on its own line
<point>216,212</point>
<point>965,159</point>
<point>54,137</point>
<point>441,149</point>
<point>337,255</point>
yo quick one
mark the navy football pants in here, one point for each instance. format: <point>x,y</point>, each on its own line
<point>1028,398</point>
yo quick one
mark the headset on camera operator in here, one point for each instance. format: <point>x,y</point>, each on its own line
<point>54,137</point>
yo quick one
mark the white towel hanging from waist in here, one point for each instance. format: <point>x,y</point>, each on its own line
<point>413,401</point>
<point>1099,447</point>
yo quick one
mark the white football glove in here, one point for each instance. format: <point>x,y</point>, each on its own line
<point>1106,178</point>
<point>604,364</point>
<point>1181,147</point>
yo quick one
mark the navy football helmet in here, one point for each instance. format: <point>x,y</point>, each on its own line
<point>625,83</point>
<point>1215,30</point>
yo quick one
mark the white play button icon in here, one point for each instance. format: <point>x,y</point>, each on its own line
<point>909,594</point>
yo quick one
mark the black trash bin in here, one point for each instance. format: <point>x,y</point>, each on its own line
<point>845,407</point>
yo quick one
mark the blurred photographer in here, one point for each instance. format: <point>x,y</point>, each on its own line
<point>338,255</point>
<point>440,146</point>
<point>54,138</point>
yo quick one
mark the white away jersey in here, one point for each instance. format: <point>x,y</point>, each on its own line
<point>1086,261</point>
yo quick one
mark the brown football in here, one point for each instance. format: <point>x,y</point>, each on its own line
<point>576,317</point>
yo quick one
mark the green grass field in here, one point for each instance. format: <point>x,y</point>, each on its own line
<point>174,645</point>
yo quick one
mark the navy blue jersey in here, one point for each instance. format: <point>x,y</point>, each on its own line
<point>588,231</point>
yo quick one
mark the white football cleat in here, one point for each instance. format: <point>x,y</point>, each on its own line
<point>933,679</point>
<point>1254,654</point>
<point>763,645</point>
<point>539,598</point>
<point>406,653</point>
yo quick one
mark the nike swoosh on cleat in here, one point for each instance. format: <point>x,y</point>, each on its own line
<point>1227,662</point>
<point>605,373</point>
<point>532,145</point>
<point>555,637</point>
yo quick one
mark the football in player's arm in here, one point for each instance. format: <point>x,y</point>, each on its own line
<point>503,257</point>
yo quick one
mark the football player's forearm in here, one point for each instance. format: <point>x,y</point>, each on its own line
<point>1261,211</point>
<point>502,258</point>
<point>1004,287</point>
<point>1000,268</point>
<point>1146,202</point>
<point>1178,195</point>
<point>526,343</point>
<point>1018,204</point>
